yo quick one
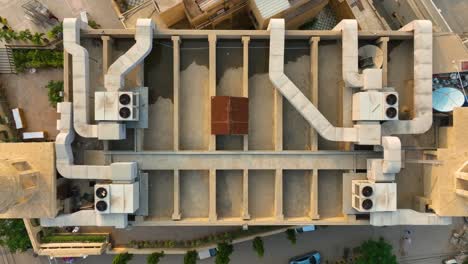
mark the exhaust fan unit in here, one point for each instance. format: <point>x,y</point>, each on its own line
<point>101,199</point>
<point>375,106</point>
<point>368,196</point>
<point>116,106</point>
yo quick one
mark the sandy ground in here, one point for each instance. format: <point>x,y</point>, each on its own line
<point>228,198</point>
<point>27,91</point>
<point>194,194</point>
<point>261,193</point>
<point>161,194</point>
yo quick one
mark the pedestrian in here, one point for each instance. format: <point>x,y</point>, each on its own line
<point>405,242</point>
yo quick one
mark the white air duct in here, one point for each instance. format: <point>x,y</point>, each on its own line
<point>422,96</point>
<point>350,57</point>
<point>290,91</point>
<point>80,69</point>
<point>120,171</point>
<point>114,80</point>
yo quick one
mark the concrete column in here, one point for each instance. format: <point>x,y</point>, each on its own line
<point>313,214</point>
<point>383,45</point>
<point>245,78</point>
<point>107,42</point>
<point>176,72</point>
<point>176,215</point>
<point>212,86</point>
<point>314,41</point>
<point>245,195</point>
<point>279,195</point>
<point>278,122</point>
<point>212,213</point>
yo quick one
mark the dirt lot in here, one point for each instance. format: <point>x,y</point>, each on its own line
<point>27,91</point>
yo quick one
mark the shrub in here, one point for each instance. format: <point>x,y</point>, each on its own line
<point>122,258</point>
<point>37,59</point>
<point>372,251</point>
<point>56,32</point>
<point>55,88</point>
<point>257,245</point>
<point>46,238</point>
<point>93,24</point>
<point>190,257</point>
<point>37,38</point>
<point>291,234</point>
<point>13,235</point>
<point>154,258</point>
<point>224,251</point>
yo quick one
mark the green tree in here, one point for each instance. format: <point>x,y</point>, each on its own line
<point>372,251</point>
<point>224,251</point>
<point>13,235</point>
<point>122,258</point>
<point>291,235</point>
<point>257,245</point>
<point>55,88</point>
<point>190,257</point>
<point>154,258</point>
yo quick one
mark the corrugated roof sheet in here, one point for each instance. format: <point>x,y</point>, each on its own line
<point>269,8</point>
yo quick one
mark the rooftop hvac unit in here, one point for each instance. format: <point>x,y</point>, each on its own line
<point>116,198</point>
<point>102,198</point>
<point>116,106</point>
<point>373,197</point>
<point>128,106</point>
<point>375,106</point>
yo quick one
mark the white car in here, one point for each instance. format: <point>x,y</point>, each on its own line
<point>208,253</point>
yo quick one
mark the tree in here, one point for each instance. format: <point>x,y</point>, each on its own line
<point>13,235</point>
<point>154,258</point>
<point>190,257</point>
<point>291,234</point>
<point>224,251</point>
<point>257,245</point>
<point>372,251</point>
<point>122,258</point>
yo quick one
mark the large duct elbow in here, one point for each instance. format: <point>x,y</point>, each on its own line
<point>80,68</point>
<point>350,67</point>
<point>290,91</point>
<point>422,96</point>
<point>120,171</point>
<point>114,80</point>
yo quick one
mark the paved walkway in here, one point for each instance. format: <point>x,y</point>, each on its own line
<point>100,11</point>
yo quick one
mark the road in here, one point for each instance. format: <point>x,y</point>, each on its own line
<point>430,244</point>
<point>455,12</point>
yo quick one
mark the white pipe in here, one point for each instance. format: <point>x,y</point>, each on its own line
<point>422,96</point>
<point>80,68</point>
<point>290,91</point>
<point>114,80</point>
<point>350,59</point>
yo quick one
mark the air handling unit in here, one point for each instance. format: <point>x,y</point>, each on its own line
<point>373,197</point>
<point>375,106</point>
<point>116,106</point>
<point>116,198</point>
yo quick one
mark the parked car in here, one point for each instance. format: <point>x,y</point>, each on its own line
<point>309,258</point>
<point>303,229</point>
<point>207,253</point>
